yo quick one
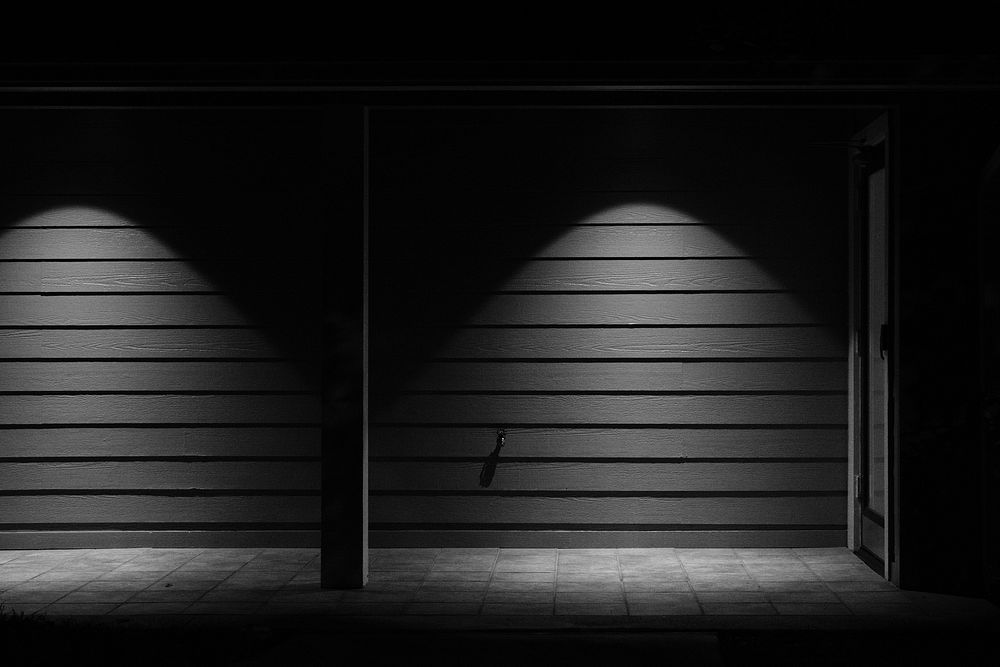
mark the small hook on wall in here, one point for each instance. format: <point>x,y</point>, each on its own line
<point>490,464</point>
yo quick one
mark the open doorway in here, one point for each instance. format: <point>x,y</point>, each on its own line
<point>872,364</point>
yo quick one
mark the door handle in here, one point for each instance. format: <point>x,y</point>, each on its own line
<point>883,340</point>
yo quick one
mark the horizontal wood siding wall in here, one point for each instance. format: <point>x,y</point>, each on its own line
<point>159,303</point>
<point>651,304</point>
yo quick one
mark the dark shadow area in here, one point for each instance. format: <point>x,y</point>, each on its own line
<point>989,270</point>
<point>945,363</point>
<point>829,648</point>
<point>44,642</point>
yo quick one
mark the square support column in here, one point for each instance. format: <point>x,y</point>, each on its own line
<point>344,440</point>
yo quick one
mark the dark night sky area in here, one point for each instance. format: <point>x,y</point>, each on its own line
<point>505,33</point>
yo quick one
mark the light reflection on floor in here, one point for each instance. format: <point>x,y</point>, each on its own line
<point>453,582</point>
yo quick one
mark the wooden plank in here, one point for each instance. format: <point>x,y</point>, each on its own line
<point>651,274</point>
<point>140,343</point>
<point>66,376</point>
<point>158,409</point>
<point>609,442</point>
<point>615,409</point>
<point>84,244</point>
<point>190,237</point>
<point>586,476</point>
<point>482,510</point>
<point>213,475</point>
<point>683,343</point>
<point>115,276</point>
<point>403,237</point>
<point>616,376</point>
<point>173,208</point>
<point>125,442</point>
<point>129,509</point>
<point>605,539</point>
<point>783,376</point>
<point>125,539</point>
<point>563,309</point>
<point>55,212</point>
<point>276,276</point>
<point>137,310</point>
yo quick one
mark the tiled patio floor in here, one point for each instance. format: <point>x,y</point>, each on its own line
<point>497,583</point>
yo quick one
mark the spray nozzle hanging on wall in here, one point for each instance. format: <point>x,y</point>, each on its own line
<point>490,465</point>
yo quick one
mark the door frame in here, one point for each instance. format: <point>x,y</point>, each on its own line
<point>988,205</point>
<point>883,128</point>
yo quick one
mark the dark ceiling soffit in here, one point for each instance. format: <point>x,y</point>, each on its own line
<point>942,73</point>
<point>528,88</point>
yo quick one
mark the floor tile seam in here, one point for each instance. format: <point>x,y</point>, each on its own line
<point>77,588</point>
<point>127,600</point>
<point>226,578</point>
<point>844,601</point>
<point>687,579</point>
<point>45,571</point>
<point>156,581</point>
<point>489,585</point>
<point>238,569</point>
<point>173,568</point>
<point>621,584</point>
<point>50,604</point>
<point>205,592</point>
<point>143,551</point>
<point>750,576</point>
<point>66,595</point>
<point>116,565</point>
<point>186,603</point>
<point>424,574</point>
<point>809,567</point>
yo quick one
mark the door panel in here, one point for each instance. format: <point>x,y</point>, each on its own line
<point>877,332</point>
<point>872,322</point>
